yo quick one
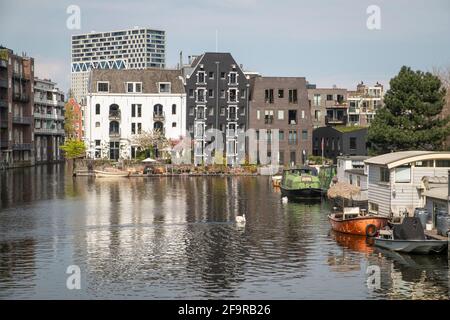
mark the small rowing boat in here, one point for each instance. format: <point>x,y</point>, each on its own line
<point>111,174</point>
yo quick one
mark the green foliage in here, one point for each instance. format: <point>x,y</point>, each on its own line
<point>318,160</point>
<point>74,149</point>
<point>411,118</point>
<point>69,121</point>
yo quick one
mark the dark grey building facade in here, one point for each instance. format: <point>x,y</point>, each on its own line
<point>217,98</point>
<point>336,141</point>
<point>282,103</point>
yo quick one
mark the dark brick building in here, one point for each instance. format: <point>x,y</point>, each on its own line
<point>16,109</point>
<point>217,97</point>
<point>282,103</point>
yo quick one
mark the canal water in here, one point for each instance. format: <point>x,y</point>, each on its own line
<point>175,238</point>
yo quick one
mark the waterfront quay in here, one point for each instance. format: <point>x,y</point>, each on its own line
<point>176,237</point>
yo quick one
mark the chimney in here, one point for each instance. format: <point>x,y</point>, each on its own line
<point>181,59</point>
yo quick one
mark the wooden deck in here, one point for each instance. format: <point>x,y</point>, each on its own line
<point>433,234</point>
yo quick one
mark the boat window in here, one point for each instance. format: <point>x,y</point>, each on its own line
<point>443,163</point>
<point>425,163</point>
<point>384,174</point>
<point>373,207</point>
<point>403,174</point>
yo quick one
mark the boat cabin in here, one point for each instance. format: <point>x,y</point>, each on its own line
<point>395,180</point>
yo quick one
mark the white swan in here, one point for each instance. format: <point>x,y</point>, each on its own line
<point>240,219</point>
<point>284,200</point>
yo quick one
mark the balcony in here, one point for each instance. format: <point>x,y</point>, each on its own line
<point>21,76</point>
<point>158,116</point>
<point>335,120</point>
<point>21,146</point>
<point>4,83</point>
<point>114,133</point>
<point>114,115</point>
<point>49,131</point>
<point>21,97</point>
<point>22,120</point>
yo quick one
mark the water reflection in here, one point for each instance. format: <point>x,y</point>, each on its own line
<point>176,238</point>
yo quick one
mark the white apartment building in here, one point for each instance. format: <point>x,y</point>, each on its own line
<point>48,121</point>
<point>364,103</point>
<point>136,48</point>
<point>123,103</point>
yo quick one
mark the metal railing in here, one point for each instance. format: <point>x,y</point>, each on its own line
<point>22,97</point>
<point>114,114</point>
<point>49,131</point>
<point>22,146</point>
<point>158,116</point>
<point>22,120</point>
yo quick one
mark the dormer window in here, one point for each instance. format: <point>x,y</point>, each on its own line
<point>102,86</point>
<point>164,87</point>
<point>134,87</point>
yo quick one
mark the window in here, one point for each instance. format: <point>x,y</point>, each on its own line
<point>134,87</point>
<point>280,93</point>
<point>280,157</point>
<point>211,93</point>
<point>222,75</point>
<point>317,115</point>
<point>222,111</point>
<point>174,124</point>
<point>258,114</point>
<point>443,163</point>
<point>292,137</point>
<point>352,143</point>
<point>358,181</point>
<point>201,77</point>
<point>232,95</point>
<point>139,126</point>
<point>174,109</point>
<point>384,174</point>
<point>350,179</point>
<point>97,143</point>
<point>303,114</point>
<point>280,114</point>
<point>211,75</point>
<point>164,87</point>
<point>191,93</point>
<point>232,113</point>
<point>136,110</point>
<point>243,93</point>
<point>268,116</point>
<point>426,163</point>
<point>233,78</point>
<point>242,111</point>
<point>305,134</point>
<point>201,95</point>
<point>268,95</point>
<point>222,94</point>
<point>211,111</point>
<point>97,124</point>
<point>292,114</point>
<point>191,111</point>
<point>281,135</point>
<point>133,128</point>
<point>293,96</point>
<point>329,97</point>
<point>403,174</point>
<point>102,86</point>
<point>316,100</point>
<point>373,207</point>
<point>97,108</point>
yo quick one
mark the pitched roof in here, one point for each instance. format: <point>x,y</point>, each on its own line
<point>149,78</point>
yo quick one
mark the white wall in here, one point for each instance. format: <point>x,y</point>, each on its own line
<point>124,101</point>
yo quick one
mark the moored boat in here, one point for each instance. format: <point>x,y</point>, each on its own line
<point>111,174</point>
<point>353,221</point>
<point>409,237</point>
<point>301,183</point>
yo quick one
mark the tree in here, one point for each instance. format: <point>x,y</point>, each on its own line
<point>69,121</point>
<point>411,118</point>
<point>73,149</point>
<point>444,74</point>
<point>150,140</point>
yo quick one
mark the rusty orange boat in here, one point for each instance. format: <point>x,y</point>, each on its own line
<point>353,221</point>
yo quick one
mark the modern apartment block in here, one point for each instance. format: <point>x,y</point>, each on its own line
<point>217,98</point>
<point>328,106</point>
<point>364,103</point>
<point>48,121</point>
<point>124,103</point>
<point>136,48</point>
<point>16,109</point>
<point>282,103</point>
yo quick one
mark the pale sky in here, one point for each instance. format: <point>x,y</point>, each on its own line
<point>326,41</point>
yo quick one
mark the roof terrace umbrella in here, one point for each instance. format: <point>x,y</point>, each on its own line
<point>149,160</point>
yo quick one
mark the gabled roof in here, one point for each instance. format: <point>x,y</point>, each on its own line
<point>395,159</point>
